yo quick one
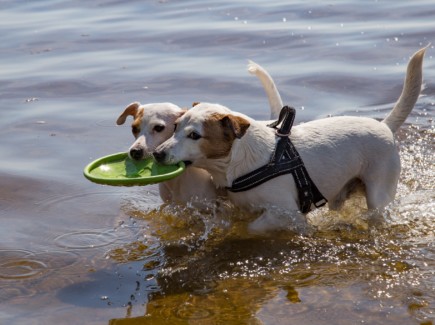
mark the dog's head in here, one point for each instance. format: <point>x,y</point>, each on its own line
<point>152,125</point>
<point>206,132</point>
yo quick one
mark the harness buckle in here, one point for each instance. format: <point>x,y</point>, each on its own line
<point>320,203</point>
<point>282,135</point>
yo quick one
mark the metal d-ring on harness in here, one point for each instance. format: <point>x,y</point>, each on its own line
<point>285,159</point>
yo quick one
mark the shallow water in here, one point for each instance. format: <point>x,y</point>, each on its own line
<point>75,252</point>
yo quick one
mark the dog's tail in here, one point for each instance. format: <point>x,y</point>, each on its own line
<point>272,93</point>
<point>410,93</point>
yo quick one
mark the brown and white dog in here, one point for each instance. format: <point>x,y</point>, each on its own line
<point>154,123</point>
<point>337,152</point>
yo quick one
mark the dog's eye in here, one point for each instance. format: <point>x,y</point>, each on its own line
<point>159,128</point>
<point>194,136</point>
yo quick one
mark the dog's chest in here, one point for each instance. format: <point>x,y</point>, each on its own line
<point>279,192</point>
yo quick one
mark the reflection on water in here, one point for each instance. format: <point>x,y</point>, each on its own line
<point>19,264</point>
<point>75,252</point>
<point>85,239</point>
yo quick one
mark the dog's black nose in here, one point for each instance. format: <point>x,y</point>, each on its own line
<point>159,155</point>
<point>136,153</point>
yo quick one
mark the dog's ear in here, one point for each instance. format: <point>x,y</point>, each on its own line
<point>235,124</point>
<point>195,103</point>
<point>131,109</point>
<point>180,114</point>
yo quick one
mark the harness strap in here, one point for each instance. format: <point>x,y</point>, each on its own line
<point>284,160</point>
<point>287,117</point>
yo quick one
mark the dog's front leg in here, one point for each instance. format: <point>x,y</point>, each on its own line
<point>165,192</point>
<point>275,219</point>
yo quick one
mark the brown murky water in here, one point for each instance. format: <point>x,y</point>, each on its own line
<point>75,252</point>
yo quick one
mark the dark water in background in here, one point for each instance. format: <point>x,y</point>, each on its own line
<point>75,252</point>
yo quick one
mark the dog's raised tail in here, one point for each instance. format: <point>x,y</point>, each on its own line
<point>410,93</point>
<point>269,86</point>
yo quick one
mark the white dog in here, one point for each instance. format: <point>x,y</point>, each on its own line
<point>338,152</point>
<point>154,123</point>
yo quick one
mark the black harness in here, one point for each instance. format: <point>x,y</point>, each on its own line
<point>285,159</point>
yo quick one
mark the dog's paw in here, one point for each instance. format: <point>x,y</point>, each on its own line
<point>275,220</point>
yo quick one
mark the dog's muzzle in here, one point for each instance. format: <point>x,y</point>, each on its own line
<point>159,156</point>
<point>136,153</point>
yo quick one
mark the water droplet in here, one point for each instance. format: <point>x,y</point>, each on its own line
<point>149,277</point>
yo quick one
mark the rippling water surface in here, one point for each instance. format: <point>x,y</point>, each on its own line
<point>73,252</point>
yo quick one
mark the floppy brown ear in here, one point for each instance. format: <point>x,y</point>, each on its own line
<point>131,109</point>
<point>236,124</point>
<point>195,103</point>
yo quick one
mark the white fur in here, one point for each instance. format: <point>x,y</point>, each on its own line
<point>269,86</point>
<point>336,151</point>
<point>194,184</point>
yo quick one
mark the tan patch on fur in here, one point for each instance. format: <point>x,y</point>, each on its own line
<point>136,125</point>
<point>220,131</point>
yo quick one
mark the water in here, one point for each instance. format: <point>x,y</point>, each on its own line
<point>75,252</point>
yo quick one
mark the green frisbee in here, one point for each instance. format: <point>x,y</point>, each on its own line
<point>119,170</point>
